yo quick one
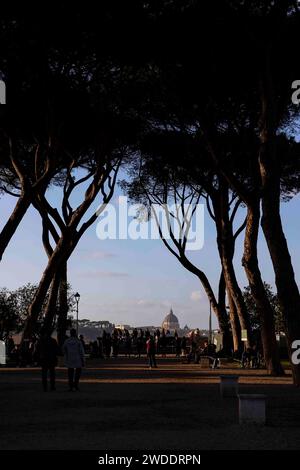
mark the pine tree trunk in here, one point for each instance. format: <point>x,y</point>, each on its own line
<point>225,243</point>
<point>51,309</point>
<point>269,165</point>
<point>13,222</point>
<point>220,313</point>
<point>235,325</point>
<point>61,254</point>
<point>287,289</point>
<point>62,319</point>
<point>227,335</point>
<point>237,297</point>
<point>266,314</point>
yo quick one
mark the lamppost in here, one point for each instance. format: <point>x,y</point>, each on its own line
<point>77,298</point>
<point>209,325</point>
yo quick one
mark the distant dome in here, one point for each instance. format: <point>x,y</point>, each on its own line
<point>171,318</point>
<point>170,322</point>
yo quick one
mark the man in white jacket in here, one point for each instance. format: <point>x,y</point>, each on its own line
<point>74,359</point>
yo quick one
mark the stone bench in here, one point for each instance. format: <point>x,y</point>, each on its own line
<point>204,363</point>
<point>229,385</point>
<point>252,409</point>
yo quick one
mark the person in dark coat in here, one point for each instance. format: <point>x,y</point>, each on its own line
<point>150,348</point>
<point>128,344</point>
<point>47,351</point>
<point>163,344</point>
<point>139,346</point>
<point>178,346</point>
<point>108,343</point>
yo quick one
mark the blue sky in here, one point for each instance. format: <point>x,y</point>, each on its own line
<point>134,282</point>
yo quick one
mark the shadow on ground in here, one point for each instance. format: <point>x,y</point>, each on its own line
<point>122,405</point>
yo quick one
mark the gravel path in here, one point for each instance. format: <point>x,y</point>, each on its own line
<point>123,405</point>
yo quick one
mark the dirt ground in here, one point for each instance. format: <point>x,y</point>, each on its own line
<point>123,405</point>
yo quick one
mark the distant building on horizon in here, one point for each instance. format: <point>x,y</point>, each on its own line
<point>123,327</point>
<point>171,323</point>
<point>91,330</point>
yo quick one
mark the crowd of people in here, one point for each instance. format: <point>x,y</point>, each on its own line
<point>134,344</point>
<point>110,345</point>
<point>129,344</point>
<point>44,352</point>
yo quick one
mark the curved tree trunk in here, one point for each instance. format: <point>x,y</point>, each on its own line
<point>70,237</point>
<point>226,243</point>
<point>269,165</point>
<point>222,292</point>
<point>218,311</point>
<point>237,296</point>
<point>60,255</point>
<point>51,308</point>
<point>287,289</point>
<point>56,306</point>
<point>235,325</point>
<point>13,222</point>
<point>62,319</point>
<point>227,334</point>
<point>250,263</point>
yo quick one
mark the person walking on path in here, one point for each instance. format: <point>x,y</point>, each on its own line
<point>150,348</point>
<point>139,346</point>
<point>74,359</point>
<point>128,344</point>
<point>162,344</point>
<point>81,338</point>
<point>46,352</point>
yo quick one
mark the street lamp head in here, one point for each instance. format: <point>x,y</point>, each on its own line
<point>77,297</point>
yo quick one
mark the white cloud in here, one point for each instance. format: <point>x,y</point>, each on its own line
<point>92,255</point>
<point>196,296</point>
<point>102,274</point>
